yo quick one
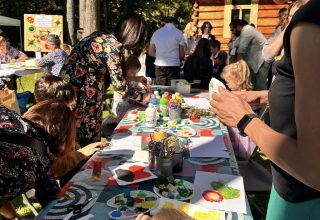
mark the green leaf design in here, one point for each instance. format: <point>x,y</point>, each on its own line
<point>226,191</point>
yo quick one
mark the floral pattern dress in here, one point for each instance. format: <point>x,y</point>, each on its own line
<point>21,167</point>
<point>90,63</point>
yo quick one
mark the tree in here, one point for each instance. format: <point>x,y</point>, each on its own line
<point>70,12</point>
<point>82,13</point>
<point>92,22</point>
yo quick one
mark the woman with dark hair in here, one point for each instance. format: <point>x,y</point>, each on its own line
<point>206,31</point>
<point>28,146</point>
<point>94,60</point>
<point>199,65</point>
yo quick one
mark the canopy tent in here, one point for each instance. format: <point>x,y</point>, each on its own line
<point>6,21</point>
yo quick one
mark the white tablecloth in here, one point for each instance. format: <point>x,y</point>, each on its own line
<point>5,71</point>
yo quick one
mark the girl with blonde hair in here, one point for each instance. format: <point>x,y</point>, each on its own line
<point>237,76</point>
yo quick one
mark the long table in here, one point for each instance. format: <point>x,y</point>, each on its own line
<point>6,71</point>
<point>81,187</point>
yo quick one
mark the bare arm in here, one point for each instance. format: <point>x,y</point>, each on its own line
<point>22,58</point>
<point>283,150</point>
<point>270,51</point>
<point>152,50</point>
<point>256,99</point>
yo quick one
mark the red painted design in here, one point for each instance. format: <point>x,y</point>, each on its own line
<point>212,196</point>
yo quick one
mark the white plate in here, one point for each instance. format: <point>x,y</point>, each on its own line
<point>111,203</point>
<point>186,132</point>
<point>185,183</point>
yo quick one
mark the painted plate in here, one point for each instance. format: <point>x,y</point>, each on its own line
<point>135,202</point>
<point>175,193</point>
<point>186,132</point>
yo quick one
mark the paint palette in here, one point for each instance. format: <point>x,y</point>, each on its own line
<point>131,203</point>
<point>171,188</point>
<point>186,132</point>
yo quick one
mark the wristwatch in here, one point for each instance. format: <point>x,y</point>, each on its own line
<point>244,121</point>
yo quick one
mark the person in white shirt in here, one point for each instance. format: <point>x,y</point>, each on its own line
<point>167,46</point>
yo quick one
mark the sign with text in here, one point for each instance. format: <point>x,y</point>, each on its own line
<point>38,27</point>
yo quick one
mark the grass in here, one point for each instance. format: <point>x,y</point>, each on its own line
<point>26,83</point>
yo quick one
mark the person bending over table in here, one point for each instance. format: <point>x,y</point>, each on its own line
<point>292,141</point>
<point>28,146</point>
<point>50,87</point>
<point>55,58</point>
<point>92,62</point>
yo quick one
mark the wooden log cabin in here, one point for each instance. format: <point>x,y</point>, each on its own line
<point>262,13</point>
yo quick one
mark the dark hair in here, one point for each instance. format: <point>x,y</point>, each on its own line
<point>202,48</point>
<point>253,25</point>
<point>238,22</point>
<point>282,11</point>
<point>131,32</point>
<point>215,43</point>
<point>53,87</point>
<point>199,64</point>
<point>204,25</point>
<point>173,20</point>
<point>132,61</point>
<point>223,56</point>
<point>57,120</point>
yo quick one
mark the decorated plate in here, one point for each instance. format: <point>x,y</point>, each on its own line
<point>186,132</point>
<point>129,204</point>
<point>182,190</point>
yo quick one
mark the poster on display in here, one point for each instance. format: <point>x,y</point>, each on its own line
<point>38,27</point>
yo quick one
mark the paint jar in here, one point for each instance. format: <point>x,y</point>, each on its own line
<point>177,160</point>
<point>163,166</point>
<point>151,160</point>
<point>96,171</point>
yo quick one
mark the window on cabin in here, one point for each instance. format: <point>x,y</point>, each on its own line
<point>239,9</point>
<point>243,14</point>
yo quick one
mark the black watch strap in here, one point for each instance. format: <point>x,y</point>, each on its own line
<point>244,121</point>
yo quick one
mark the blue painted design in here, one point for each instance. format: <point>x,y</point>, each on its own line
<point>116,214</point>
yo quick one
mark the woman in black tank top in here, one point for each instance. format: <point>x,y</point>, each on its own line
<point>292,140</point>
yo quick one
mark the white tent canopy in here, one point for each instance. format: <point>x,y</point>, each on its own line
<point>6,21</point>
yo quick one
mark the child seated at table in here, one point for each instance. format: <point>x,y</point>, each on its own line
<point>120,104</point>
<point>237,76</point>
<point>51,87</point>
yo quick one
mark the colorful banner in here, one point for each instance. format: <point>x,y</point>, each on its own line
<point>38,27</point>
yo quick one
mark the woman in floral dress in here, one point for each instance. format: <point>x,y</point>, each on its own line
<point>91,62</point>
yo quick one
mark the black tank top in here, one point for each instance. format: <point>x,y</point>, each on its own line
<point>281,98</point>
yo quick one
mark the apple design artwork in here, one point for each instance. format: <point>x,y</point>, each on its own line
<point>134,173</point>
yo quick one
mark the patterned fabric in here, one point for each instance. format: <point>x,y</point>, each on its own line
<point>12,53</point>
<point>23,168</point>
<point>53,61</point>
<point>86,69</point>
